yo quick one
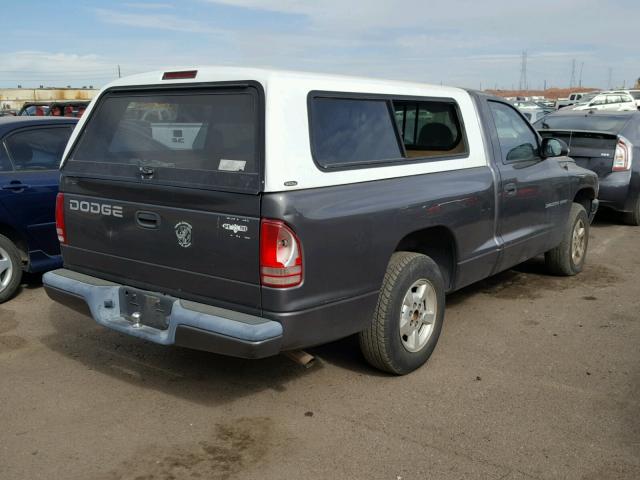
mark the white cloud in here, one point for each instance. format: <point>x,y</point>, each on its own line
<point>457,41</point>
<point>159,21</point>
<point>149,6</point>
<point>52,66</point>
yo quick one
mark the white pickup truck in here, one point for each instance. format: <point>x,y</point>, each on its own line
<point>573,99</point>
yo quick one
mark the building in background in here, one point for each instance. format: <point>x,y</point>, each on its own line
<point>12,99</point>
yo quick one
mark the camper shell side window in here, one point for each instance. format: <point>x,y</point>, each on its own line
<point>352,130</point>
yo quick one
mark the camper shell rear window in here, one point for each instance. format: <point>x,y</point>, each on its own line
<point>208,138</point>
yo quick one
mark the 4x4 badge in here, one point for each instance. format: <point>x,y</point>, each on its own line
<point>183,232</point>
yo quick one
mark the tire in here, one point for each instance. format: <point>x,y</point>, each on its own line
<point>10,269</point>
<point>568,258</point>
<point>633,218</point>
<point>398,343</point>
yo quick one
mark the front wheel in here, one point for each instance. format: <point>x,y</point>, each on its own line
<point>408,318</point>
<point>568,258</point>
<point>10,269</point>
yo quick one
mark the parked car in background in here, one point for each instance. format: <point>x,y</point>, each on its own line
<point>573,99</point>
<point>609,101</point>
<point>30,152</point>
<point>74,108</point>
<point>634,93</point>
<point>526,105</point>
<point>360,206</point>
<point>547,105</point>
<point>586,98</point>
<point>534,115</point>
<point>530,110</point>
<point>609,144</point>
<point>32,109</point>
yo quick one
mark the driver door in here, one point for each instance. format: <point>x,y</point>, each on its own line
<point>528,188</point>
<point>28,189</point>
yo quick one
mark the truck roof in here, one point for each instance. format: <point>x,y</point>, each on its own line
<point>287,151</point>
<point>266,77</point>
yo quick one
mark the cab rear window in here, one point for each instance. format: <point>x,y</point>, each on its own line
<point>204,138</point>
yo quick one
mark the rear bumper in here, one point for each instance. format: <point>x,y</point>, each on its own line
<point>616,191</point>
<point>190,324</point>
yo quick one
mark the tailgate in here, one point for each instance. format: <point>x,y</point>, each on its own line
<point>591,150</point>
<point>202,246</point>
<point>162,192</point>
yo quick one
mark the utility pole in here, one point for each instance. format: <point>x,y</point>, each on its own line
<point>580,80</point>
<point>119,76</point>
<point>573,73</point>
<point>545,85</point>
<point>523,72</point>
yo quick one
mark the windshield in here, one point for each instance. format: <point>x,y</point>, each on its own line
<point>635,95</point>
<point>589,122</point>
<point>177,137</point>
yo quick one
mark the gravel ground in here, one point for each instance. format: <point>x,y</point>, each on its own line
<point>534,377</point>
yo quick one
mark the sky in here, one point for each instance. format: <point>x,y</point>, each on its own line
<point>473,44</point>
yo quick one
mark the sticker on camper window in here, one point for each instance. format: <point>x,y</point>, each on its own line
<point>177,136</point>
<point>232,165</point>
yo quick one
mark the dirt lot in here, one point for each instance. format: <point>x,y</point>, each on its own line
<point>534,377</point>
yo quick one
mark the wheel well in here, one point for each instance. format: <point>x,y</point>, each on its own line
<point>439,244</point>
<point>584,197</point>
<point>13,235</point>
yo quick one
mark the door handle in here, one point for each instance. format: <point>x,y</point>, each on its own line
<point>147,219</point>
<point>510,189</point>
<point>15,186</point>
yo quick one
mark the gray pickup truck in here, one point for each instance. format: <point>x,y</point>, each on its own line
<point>251,212</point>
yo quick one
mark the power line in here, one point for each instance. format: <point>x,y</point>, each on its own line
<point>523,72</point>
<point>573,73</point>
<point>580,81</point>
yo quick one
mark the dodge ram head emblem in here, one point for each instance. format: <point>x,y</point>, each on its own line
<point>183,233</point>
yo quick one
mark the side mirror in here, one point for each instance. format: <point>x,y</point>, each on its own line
<point>553,147</point>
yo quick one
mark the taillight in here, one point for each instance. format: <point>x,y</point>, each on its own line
<point>622,155</point>
<point>280,255</point>
<point>60,228</point>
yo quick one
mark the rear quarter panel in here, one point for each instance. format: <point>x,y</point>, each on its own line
<point>348,233</point>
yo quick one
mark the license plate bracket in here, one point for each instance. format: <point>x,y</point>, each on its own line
<point>154,309</point>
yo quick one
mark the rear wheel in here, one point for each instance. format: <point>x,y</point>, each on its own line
<point>633,217</point>
<point>10,269</point>
<point>568,258</point>
<point>409,315</point>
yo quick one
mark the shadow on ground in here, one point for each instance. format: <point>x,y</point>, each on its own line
<point>196,376</point>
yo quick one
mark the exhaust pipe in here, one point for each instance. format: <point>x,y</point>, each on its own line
<point>301,357</point>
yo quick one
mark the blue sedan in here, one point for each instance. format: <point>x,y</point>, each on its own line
<point>30,153</point>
